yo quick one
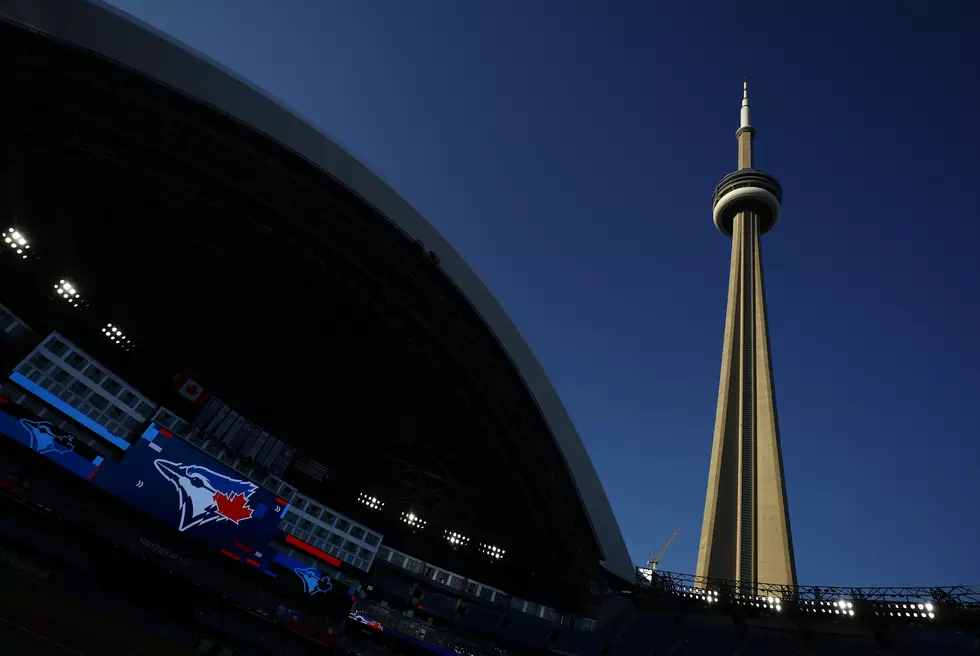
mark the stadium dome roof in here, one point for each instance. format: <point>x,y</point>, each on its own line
<point>240,245</point>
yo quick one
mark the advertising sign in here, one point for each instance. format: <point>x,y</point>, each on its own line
<point>47,440</point>
<point>195,494</point>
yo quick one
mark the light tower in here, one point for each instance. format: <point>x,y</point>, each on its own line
<point>745,534</point>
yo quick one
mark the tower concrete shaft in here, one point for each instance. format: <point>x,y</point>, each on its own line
<point>745,534</point>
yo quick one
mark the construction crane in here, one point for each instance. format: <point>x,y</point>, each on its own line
<point>652,562</point>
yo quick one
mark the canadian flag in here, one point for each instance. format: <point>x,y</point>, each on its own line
<point>190,389</point>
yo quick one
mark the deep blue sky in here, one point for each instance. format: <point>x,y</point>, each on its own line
<point>568,150</point>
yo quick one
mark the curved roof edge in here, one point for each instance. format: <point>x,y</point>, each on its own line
<point>118,36</point>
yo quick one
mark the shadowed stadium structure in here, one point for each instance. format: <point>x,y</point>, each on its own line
<point>256,403</point>
<point>240,246</point>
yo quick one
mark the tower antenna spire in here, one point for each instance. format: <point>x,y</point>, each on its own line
<point>745,104</point>
<point>746,133</point>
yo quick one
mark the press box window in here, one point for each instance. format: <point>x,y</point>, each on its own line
<point>94,374</point>
<point>56,346</point>
<point>99,401</point>
<point>62,376</point>
<point>79,388</point>
<point>76,361</point>
<point>128,398</point>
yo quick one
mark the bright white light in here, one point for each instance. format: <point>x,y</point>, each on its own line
<point>850,605</point>
<point>371,502</point>
<point>931,616</point>
<point>21,241</point>
<point>851,612</point>
<point>7,239</point>
<point>17,236</point>
<point>778,608</point>
<point>19,251</point>
<point>920,607</point>
<point>929,607</point>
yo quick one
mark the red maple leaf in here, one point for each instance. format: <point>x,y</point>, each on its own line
<point>234,507</point>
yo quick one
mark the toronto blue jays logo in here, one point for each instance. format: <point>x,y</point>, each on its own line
<point>45,440</point>
<point>312,581</point>
<point>206,496</point>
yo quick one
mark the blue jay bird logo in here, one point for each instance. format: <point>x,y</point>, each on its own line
<point>45,440</point>
<point>312,581</point>
<point>206,496</point>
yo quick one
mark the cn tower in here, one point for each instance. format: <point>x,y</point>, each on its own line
<point>745,534</point>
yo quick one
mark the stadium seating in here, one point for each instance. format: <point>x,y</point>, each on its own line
<point>648,634</point>
<point>438,605</point>
<point>581,643</point>
<point>527,629</point>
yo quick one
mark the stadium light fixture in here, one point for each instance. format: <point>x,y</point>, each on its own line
<point>413,520</point>
<point>492,551</point>
<point>67,291</point>
<point>456,539</point>
<point>117,337</point>
<point>17,242</point>
<point>371,502</point>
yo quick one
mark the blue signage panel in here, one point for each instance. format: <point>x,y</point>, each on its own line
<point>50,442</point>
<point>195,494</point>
<point>74,413</point>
